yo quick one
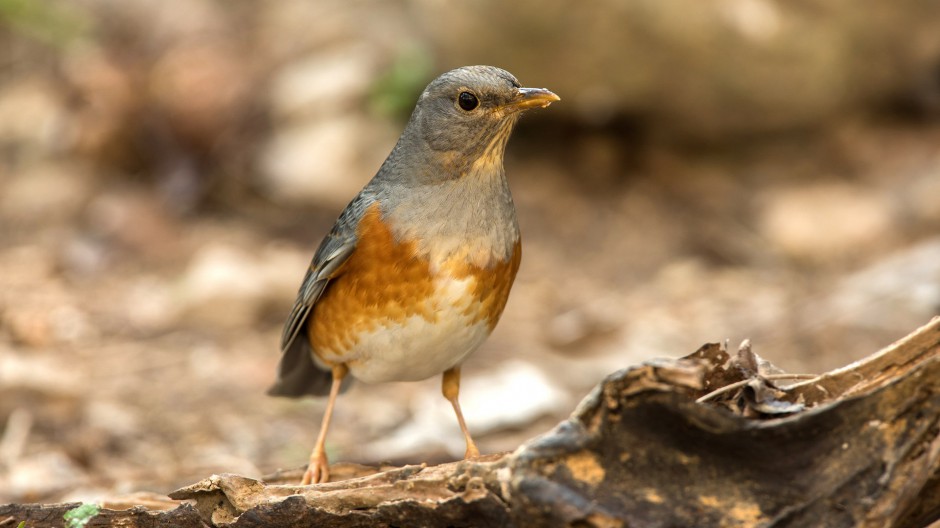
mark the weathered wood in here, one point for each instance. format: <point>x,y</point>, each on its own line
<point>655,458</point>
<point>858,446</point>
<point>51,515</point>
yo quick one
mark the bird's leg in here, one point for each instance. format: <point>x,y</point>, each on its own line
<point>319,469</point>
<point>450,387</point>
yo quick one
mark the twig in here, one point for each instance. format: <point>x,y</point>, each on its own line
<point>738,384</point>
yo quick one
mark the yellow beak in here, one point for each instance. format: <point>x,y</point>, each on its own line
<point>528,98</point>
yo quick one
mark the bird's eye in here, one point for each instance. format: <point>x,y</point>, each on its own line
<point>467,101</point>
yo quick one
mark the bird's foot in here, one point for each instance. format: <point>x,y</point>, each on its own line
<point>318,471</point>
<point>472,451</point>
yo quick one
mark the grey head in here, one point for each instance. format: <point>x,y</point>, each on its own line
<point>463,116</point>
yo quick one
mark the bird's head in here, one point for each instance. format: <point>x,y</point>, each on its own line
<point>466,115</point>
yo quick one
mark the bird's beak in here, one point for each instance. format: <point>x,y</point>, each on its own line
<point>528,98</point>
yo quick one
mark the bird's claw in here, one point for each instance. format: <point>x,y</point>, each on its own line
<point>472,451</point>
<point>318,471</point>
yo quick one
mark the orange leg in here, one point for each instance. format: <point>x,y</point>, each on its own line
<point>319,469</point>
<point>450,387</point>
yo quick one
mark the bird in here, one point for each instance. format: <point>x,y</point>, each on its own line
<point>417,269</point>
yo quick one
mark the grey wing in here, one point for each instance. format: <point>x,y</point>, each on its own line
<point>318,275</point>
<point>330,256</point>
<point>298,375</point>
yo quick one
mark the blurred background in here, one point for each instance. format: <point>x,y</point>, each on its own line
<point>715,170</point>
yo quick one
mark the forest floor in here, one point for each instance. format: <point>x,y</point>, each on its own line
<point>136,342</point>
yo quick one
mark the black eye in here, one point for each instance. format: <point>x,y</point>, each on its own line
<point>467,101</point>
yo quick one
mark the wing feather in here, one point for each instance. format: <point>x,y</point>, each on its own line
<point>329,258</point>
<point>315,281</point>
<point>298,374</point>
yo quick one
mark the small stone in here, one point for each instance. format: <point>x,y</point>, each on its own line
<point>41,475</point>
<point>898,291</point>
<point>485,402</point>
<point>202,84</point>
<point>70,324</point>
<point>37,372</point>
<point>325,83</point>
<point>45,192</point>
<point>31,113</point>
<point>150,305</point>
<point>220,286</point>
<point>318,162</point>
<point>31,328</point>
<point>532,393</point>
<point>134,220</point>
<point>825,222</point>
<point>113,417</point>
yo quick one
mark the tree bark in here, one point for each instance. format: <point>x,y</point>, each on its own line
<point>707,440</point>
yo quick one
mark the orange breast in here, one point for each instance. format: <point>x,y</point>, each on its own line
<point>384,282</point>
<point>491,286</point>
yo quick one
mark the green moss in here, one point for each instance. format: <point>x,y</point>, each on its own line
<point>79,516</point>
<point>394,93</point>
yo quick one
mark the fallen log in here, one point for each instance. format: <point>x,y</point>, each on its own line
<point>712,439</point>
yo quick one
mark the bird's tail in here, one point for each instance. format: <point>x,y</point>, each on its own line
<point>298,375</point>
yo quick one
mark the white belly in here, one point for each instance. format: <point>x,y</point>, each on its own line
<point>418,348</point>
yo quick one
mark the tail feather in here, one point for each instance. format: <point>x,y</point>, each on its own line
<point>298,375</point>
